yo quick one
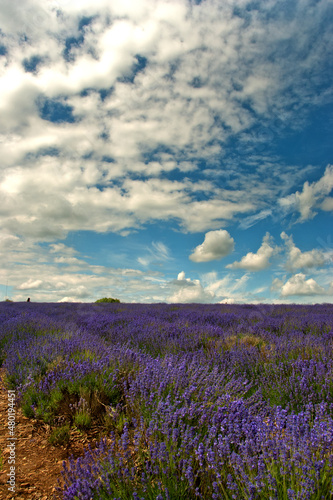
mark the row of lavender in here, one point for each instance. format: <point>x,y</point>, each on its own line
<point>201,401</point>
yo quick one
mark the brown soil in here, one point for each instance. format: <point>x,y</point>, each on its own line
<point>38,464</point>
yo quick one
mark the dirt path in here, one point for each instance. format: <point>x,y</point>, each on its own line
<point>38,464</point>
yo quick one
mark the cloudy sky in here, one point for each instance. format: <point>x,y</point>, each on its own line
<point>166,150</point>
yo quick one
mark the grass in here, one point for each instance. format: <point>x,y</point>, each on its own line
<point>60,436</point>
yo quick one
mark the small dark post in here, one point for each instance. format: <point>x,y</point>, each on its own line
<point>28,299</point>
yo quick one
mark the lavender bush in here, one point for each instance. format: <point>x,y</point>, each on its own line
<point>200,401</point>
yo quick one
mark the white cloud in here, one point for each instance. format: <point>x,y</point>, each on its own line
<point>313,196</point>
<point>161,249</point>
<point>68,299</point>
<point>250,221</point>
<point>299,285</point>
<point>67,260</point>
<point>277,284</point>
<point>31,269</point>
<point>159,252</point>
<point>227,287</point>
<point>209,289</point>
<point>72,202</point>
<point>144,261</point>
<point>327,204</point>
<point>60,247</point>
<point>9,242</point>
<point>228,301</point>
<point>30,285</point>
<point>210,74</point>
<point>189,291</point>
<point>256,261</point>
<point>168,31</point>
<point>202,65</point>
<point>301,260</point>
<point>216,245</point>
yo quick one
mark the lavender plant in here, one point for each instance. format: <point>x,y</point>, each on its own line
<point>197,401</point>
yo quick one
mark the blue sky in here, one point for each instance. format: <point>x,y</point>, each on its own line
<point>166,151</point>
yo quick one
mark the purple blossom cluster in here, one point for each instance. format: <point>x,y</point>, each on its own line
<point>202,401</point>
<point>286,455</point>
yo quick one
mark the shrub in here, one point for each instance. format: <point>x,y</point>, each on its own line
<point>106,299</point>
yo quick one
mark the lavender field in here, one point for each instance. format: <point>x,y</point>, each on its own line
<point>200,401</point>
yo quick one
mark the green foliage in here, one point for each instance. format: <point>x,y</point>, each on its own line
<point>79,402</point>
<point>60,435</point>
<point>107,300</point>
<point>82,420</point>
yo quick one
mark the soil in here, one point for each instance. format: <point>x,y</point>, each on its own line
<point>38,464</point>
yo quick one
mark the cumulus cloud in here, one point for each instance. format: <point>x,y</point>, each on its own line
<point>216,245</point>
<point>9,242</point>
<point>152,88</point>
<point>228,301</point>
<point>30,285</point>
<point>312,197</point>
<point>73,202</point>
<point>256,261</point>
<point>68,299</point>
<point>209,289</point>
<point>299,285</point>
<point>181,276</point>
<point>296,259</point>
<point>117,114</point>
<point>327,204</point>
<point>61,248</point>
<point>189,291</point>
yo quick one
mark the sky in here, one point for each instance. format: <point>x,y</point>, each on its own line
<point>171,151</point>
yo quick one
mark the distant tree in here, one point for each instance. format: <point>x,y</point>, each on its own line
<point>106,299</point>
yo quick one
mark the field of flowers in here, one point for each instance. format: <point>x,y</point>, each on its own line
<point>200,401</point>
